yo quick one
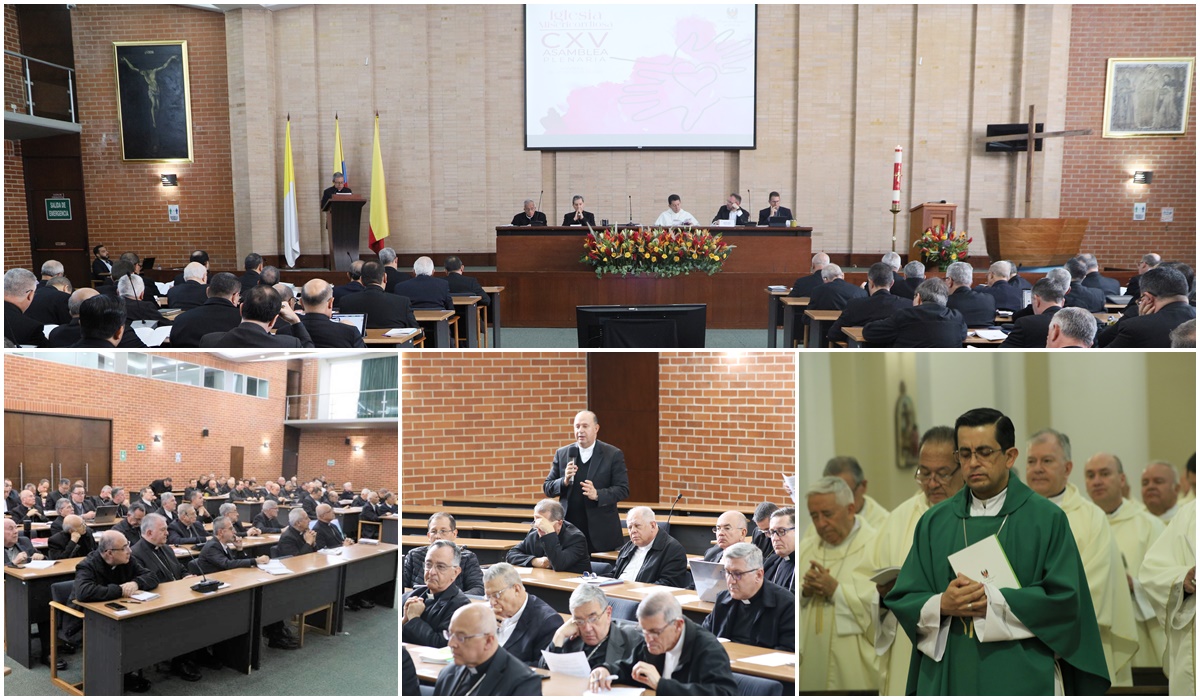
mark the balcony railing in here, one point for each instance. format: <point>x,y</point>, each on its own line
<point>48,88</point>
<point>346,405</point>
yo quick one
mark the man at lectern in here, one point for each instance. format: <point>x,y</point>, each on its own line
<point>530,216</point>
<point>339,187</point>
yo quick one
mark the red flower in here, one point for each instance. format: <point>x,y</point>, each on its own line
<point>962,254</point>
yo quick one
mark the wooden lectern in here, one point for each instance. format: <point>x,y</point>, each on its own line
<point>342,217</point>
<point>928,215</point>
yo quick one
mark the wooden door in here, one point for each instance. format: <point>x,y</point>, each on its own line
<point>39,446</point>
<point>627,411</point>
<point>236,454</point>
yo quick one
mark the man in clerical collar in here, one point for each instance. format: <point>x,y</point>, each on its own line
<point>1042,637</point>
<point>592,629</point>
<point>1048,464</point>
<point>1160,490</point>
<point>730,530</point>
<point>781,566</point>
<point>526,622</point>
<point>481,666</point>
<point>753,610</point>
<point>428,608</point>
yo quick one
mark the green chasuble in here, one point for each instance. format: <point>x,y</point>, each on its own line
<point>1053,602</point>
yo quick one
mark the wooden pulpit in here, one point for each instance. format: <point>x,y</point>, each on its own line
<point>928,215</point>
<point>343,215</point>
<point>1034,242</point>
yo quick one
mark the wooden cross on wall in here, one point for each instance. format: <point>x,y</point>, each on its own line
<point>1029,138</point>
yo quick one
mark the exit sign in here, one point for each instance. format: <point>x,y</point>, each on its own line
<point>58,209</point>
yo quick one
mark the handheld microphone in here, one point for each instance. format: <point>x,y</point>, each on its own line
<point>672,512</point>
<point>573,456</point>
<point>205,585</point>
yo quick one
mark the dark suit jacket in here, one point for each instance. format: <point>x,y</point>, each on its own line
<point>249,279</point>
<point>665,564</point>
<point>860,312</point>
<point>1004,294</point>
<point>469,581</point>
<point>924,326</point>
<point>743,216</point>
<point>804,286</point>
<point>764,215</point>
<point>623,636</point>
<point>327,333</point>
<point>330,192</point>
<point>409,685</point>
<point>426,292</point>
<point>95,580</point>
<point>1134,291</point>
<point>383,310</point>
<point>703,665</point>
<point>567,550</point>
<point>607,473</point>
<point>834,294</point>
<point>249,335</point>
<point>1085,297</point>
<point>327,537</point>
<point>460,284</point>
<point>188,295</point>
<point>144,310</point>
<point>1107,285</point>
<point>1020,282</point>
<point>60,546</point>
<point>774,619</point>
<point>24,545</point>
<point>291,544</point>
<point>214,557</point>
<point>216,315</point>
<point>534,630</point>
<point>977,309</point>
<point>22,329</point>
<point>1153,331</point>
<point>133,534</point>
<point>49,305</point>
<point>164,565</point>
<point>426,630</point>
<point>538,219</point>
<point>1031,331</point>
<point>100,270</point>
<point>342,290</point>
<point>906,286</point>
<point>588,218</point>
<point>506,676</point>
<point>178,534</point>
<point>266,525</point>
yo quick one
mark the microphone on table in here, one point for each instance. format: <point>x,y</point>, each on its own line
<point>206,585</point>
<point>672,512</point>
<point>747,207</point>
<point>539,208</point>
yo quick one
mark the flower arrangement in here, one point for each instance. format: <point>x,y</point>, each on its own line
<point>942,246</point>
<point>663,252</point>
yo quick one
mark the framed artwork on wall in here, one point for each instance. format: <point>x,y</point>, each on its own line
<point>154,104</point>
<point>1147,97</point>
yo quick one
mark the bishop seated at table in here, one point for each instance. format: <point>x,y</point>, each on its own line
<point>592,630</point>
<point>753,610</point>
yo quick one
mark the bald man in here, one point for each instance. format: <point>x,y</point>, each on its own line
<point>75,540</point>
<point>730,530</point>
<point>481,666</point>
<point>193,291</point>
<point>589,479</point>
<point>1160,490</point>
<point>804,286</point>
<point>317,298</point>
<point>68,334</point>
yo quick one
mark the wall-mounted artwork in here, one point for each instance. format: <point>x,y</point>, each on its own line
<point>153,100</point>
<point>1146,97</point>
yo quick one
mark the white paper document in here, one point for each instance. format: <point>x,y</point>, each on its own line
<point>615,692</point>
<point>144,595</point>
<point>275,568</point>
<point>985,562</point>
<point>153,337</point>
<point>437,656</point>
<point>990,335</point>
<point>39,564</point>
<point>333,551</point>
<point>685,599</point>
<point>397,332</point>
<point>164,287</point>
<point>777,658</point>
<point>594,580</point>
<point>574,663</point>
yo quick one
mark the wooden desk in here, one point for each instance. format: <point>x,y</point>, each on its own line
<point>552,588</point>
<point>441,322</point>
<point>26,601</point>
<point>348,520</point>
<point>555,683</point>
<point>213,504</point>
<point>774,312</point>
<point>854,339</point>
<point>792,307</point>
<point>488,551</point>
<point>819,323</point>
<point>464,306</point>
<point>468,530</point>
<point>526,506</point>
<point>248,510</point>
<point>494,312</point>
<point>314,583</point>
<point>375,336</point>
<point>783,674</point>
<point>390,529</point>
<point>367,569</point>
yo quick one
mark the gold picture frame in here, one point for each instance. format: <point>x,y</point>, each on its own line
<point>1147,97</point>
<point>154,102</point>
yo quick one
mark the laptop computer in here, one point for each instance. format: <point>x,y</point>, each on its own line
<point>105,515</point>
<point>359,320</point>
<point>777,221</point>
<point>710,579</point>
<point>147,264</point>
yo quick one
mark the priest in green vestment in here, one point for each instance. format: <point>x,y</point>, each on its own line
<point>970,637</point>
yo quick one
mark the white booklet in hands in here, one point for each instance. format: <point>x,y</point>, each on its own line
<point>985,562</point>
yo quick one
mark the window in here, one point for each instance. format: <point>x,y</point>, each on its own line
<point>137,364</point>
<point>214,378</point>
<point>167,369</point>
<point>187,373</point>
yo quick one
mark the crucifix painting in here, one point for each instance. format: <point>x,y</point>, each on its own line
<point>154,101</point>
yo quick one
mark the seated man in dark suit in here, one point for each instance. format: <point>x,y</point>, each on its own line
<point>978,310</point>
<point>1071,327</point>
<point>926,324</point>
<point>230,511</point>
<point>68,334</point>
<point>102,322</point>
<point>224,552</point>
<point>442,526</point>
<point>161,486</point>
<point>317,298</point>
<point>63,507</point>
<point>167,506</point>
<point>460,284</point>
<point>803,286</point>
<point>651,555</point>
<point>1015,278</point>
<point>1162,306</point>
<point>914,275</point>
<point>835,293</point>
<point>577,216</point>
<point>19,287</point>
<point>701,666</point>
<point>553,543</point>
<point>266,520</point>
<point>75,540</point>
<point>880,304</point>
<point>732,209</point>
<point>197,256</point>
<point>101,266</point>
<point>1031,331</point>
<point>1005,295</point>
<point>329,534</point>
<point>297,538</point>
<point>526,634</point>
<point>481,666</point>
<point>1149,261</point>
<point>753,610</point>
<point>773,211</point>
<point>1107,285</point>
<point>49,303</point>
<point>193,291</point>
<point>26,508</point>
<point>152,551</point>
<point>253,266</point>
<point>592,629</point>
<point>17,548</point>
<point>355,284</point>
<point>730,529</point>
<point>1079,295</point>
<point>383,310</point>
<point>132,288</point>
<point>529,215</point>
<point>428,607</point>
<point>424,290</point>
<point>218,314</point>
<point>261,309</point>
<point>186,530</point>
<point>130,525</point>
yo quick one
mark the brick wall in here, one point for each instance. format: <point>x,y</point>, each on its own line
<point>141,407</point>
<point>127,205</point>
<point>14,76</point>
<point>374,466</point>
<point>503,416</point>
<point>1097,171</point>
<point>17,251</point>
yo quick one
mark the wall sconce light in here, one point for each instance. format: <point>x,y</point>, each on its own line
<point>347,441</point>
<point>266,445</point>
<point>1143,177</point>
<point>169,180</point>
<point>157,437</point>
<point>204,432</point>
<point>358,448</point>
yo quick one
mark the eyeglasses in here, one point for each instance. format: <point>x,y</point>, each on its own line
<point>460,637</point>
<point>780,532</point>
<point>442,532</point>
<point>495,597</point>
<point>737,575</point>
<point>942,477</point>
<point>441,568</point>
<point>983,453</point>
<point>590,620</point>
<point>658,632</point>
<point>723,528</point>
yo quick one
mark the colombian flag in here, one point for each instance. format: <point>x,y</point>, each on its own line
<point>339,161</point>
<point>378,226</point>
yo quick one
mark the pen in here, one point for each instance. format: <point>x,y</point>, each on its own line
<point>135,602</point>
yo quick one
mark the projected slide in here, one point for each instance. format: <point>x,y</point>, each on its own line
<point>639,76</point>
